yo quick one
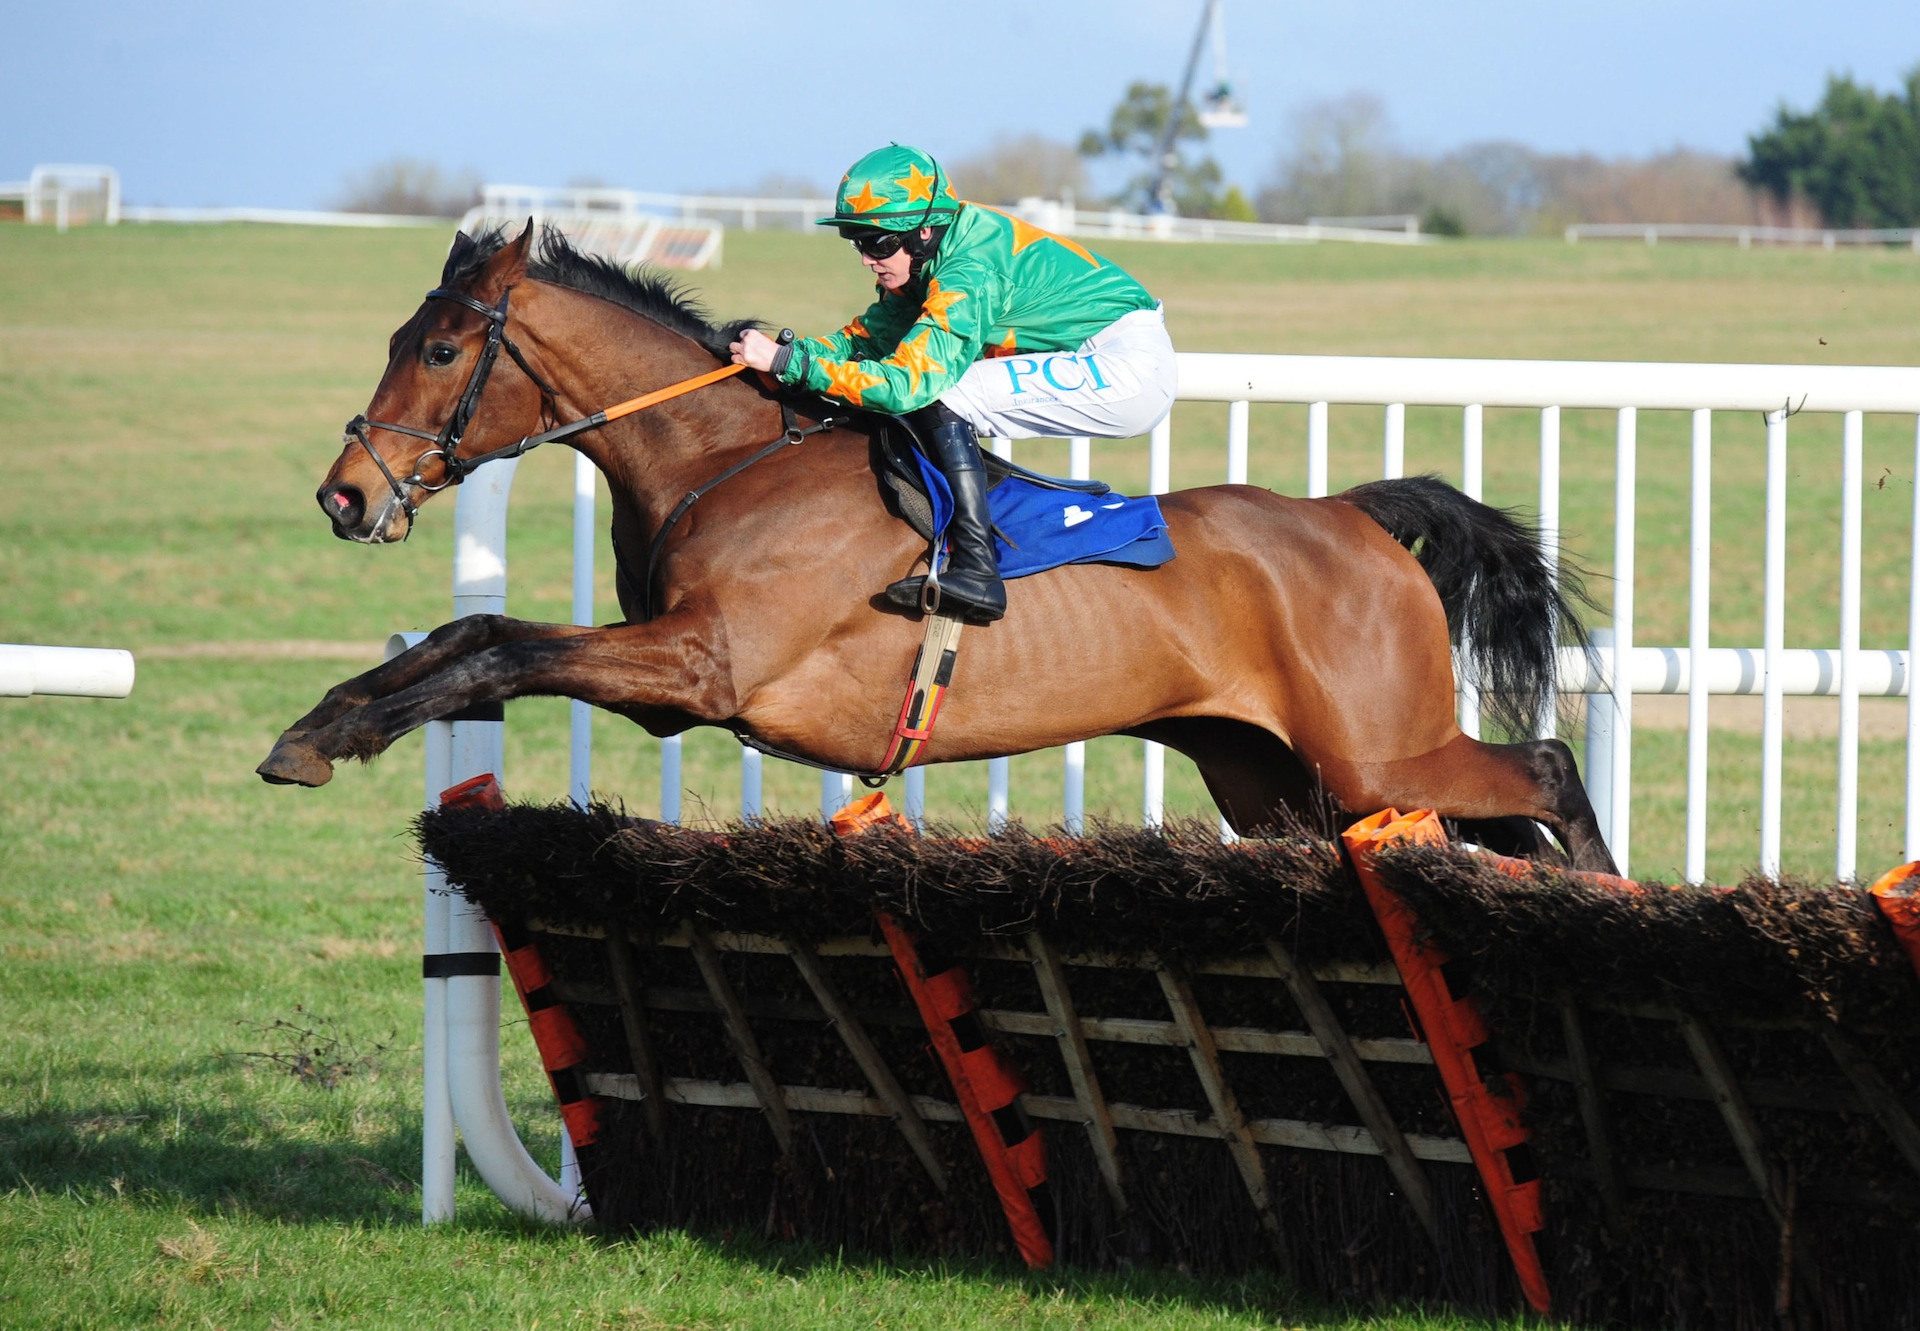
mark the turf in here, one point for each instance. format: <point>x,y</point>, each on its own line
<point>170,397</point>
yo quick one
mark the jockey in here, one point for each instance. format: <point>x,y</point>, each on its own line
<point>984,325</point>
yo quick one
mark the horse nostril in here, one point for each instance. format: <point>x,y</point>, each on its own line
<point>344,506</point>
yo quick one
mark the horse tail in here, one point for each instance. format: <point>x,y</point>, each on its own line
<point>1505,608</point>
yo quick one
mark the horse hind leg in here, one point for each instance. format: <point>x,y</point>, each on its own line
<point>1488,785</point>
<point>1255,778</point>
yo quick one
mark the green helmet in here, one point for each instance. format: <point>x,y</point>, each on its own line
<point>895,188</point>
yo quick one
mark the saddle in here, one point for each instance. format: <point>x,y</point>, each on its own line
<point>894,445</point>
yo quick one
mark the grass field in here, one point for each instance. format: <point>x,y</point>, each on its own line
<point>169,398</point>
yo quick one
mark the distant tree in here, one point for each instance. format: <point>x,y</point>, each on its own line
<point>1015,167</point>
<point>1135,131</point>
<point>1681,185</point>
<point>407,185</point>
<point>1235,206</point>
<point>1340,164</point>
<point>1343,162</point>
<point>1855,157</point>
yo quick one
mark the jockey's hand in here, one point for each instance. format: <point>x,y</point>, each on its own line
<point>755,350</point>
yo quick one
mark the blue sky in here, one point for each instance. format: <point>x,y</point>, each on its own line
<point>277,106</point>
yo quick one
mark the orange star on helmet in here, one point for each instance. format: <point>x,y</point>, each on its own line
<point>917,183</point>
<point>866,200</point>
<point>847,381</point>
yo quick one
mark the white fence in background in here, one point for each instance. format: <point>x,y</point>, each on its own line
<point>750,214</point>
<point>66,195</point>
<point>626,238</point>
<point>1744,236</point>
<point>1611,676</point>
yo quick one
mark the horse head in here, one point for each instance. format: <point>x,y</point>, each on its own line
<point>425,424</point>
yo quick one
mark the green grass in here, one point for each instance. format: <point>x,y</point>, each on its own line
<point>169,398</point>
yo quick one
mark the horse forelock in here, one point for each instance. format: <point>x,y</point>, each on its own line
<point>651,294</point>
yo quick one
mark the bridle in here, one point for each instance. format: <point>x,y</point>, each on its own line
<point>446,443</point>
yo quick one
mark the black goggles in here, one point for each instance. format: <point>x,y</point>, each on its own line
<point>877,244</point>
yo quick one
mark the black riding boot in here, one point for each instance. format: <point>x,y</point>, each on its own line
<point>970,584</point>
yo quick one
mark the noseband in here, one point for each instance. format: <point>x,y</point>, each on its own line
<point>446,443</point>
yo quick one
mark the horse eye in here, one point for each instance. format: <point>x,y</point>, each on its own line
<point>440,353</point>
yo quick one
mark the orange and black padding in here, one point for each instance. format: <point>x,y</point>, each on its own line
<point>1897,894</point>
<point>555,1033</point>
<point>987,1089</point>
<point>927,685</point>
<point>1489,1118</point>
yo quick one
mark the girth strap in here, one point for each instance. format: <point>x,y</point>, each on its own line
<point>926,690</point>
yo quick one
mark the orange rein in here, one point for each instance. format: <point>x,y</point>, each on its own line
<point>671,391</point>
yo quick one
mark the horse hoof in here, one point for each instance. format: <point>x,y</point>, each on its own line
<point>295,765</point>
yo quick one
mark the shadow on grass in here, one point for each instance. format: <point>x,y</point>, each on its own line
<point>221,1162</point>
<point>229,1164</point>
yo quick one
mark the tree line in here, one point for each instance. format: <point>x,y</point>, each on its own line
<point>1852,160</point>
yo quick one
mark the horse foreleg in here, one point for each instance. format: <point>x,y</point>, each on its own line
<point>457,638</point>
<point>461,637</point>
<point>630,666</point>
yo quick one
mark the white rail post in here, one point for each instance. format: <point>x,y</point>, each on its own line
<point>1316,449</point>
<point>1548,724</point>
<point>466,967</point>
<point>1393,442</point>
<point>1847,815</point>
<point>1773,637</point>
<point>1625,465</point>
<point>916,797</point>
<point>1910,843</point>
<point>1699,572</point>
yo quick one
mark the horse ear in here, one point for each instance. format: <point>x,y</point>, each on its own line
<point>507,267</point>
<point>462,247</point>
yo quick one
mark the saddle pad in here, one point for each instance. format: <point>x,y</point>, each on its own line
<point>1036,528</point>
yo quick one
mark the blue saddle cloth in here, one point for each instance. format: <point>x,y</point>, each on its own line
<point>1045,528</point>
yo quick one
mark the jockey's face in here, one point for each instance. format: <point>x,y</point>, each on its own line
<point>893,272</point>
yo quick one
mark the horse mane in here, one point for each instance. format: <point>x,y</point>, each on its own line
<point>650,294</point>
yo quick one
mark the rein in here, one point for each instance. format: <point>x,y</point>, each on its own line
<point>446,442</point>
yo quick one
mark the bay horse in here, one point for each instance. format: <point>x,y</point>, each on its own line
<point>1298,651</point>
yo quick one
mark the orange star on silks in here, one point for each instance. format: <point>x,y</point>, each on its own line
<point>1026,233</point>
<point>856,328</point>
<point>1006,346</point>
<point>937,301</point>
<point>913,358</point>
<point>917,183</point>
<point>866,200</point>
<point>847,381</point>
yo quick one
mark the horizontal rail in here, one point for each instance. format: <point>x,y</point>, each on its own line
<point>69,672</point>
<point>1447,382</point>
<point>1804,672</point>
<point>1654,232</point>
